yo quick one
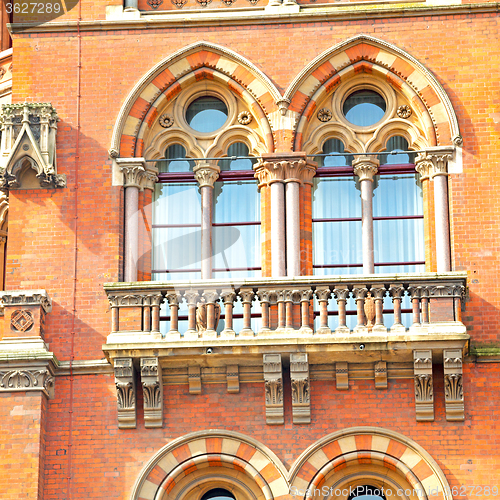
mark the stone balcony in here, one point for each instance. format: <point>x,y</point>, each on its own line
<point>291,315</point>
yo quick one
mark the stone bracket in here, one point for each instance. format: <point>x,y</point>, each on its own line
<point>152,388</point>
<point>233,379</point>
<point>126,393</point>
<point>273,386</point>
<point>453,384</point>
<point>342,376</point>
<point>424,390</point>
<point>381,375</point>
<point>194,379</point>
<point>28,376</point>
<point>301,393</point>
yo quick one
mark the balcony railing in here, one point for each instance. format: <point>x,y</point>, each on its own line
<point>286,306</point>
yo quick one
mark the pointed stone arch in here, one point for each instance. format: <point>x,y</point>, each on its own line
<point>363,448</point>
<point>364,53</point>
<point>201,60</point>
<point>199,456</point>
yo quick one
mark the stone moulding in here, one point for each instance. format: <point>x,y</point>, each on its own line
<point>29,141</point>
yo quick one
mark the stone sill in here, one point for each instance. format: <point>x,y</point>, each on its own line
<point>117,19</point>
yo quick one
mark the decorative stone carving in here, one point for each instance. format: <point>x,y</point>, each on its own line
<point>365,167</point>
<point>381,375</point>
<point>291,169</point>
<point>342,376</point>
<point>21,321</point>
<point>423,165</point>
<point>369,308</point>
<point>166,120</point>
<point>404,111</point>
<point>424,392</point>
<point>273,383</point>
<point>206,174</point>
<point>201,311</point>
<point>301,398</point>
<point>245,117</point>
<point>233,379</point>
<point>28,379</point>
<point>179,3</point>
<point>453,384</point>
<point>324,115</point>
<point>152,389</point>
<point>204,3</point>
<point>154,3</point>
<point>29,141</point>
<point>125,392</point>
<point>194,379</point>
<point>281,103</point>
<point>134,171</point>
<point>434,161</point>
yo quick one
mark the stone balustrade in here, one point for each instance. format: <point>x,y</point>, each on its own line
<point>287,306</point>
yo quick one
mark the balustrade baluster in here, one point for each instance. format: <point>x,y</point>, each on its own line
<point>247,295</point>
<point>415,303</point>
<point>378,293</point>
<point>228,297</point>
<point>323,294</point>
<point>156,301</point>
<point>264,298</point>
<point>424,304</point>
<point>146,315</point>
<point>341,293</point>
<point>213,312</point>
<point>289,309</point>
<point>191,299</point>
<point>305,303</point>
<point>173,299</point>
<point>359,295</point>
<point>280,298</point>
<point>396,292</point>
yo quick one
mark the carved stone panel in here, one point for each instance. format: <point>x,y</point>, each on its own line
<point>233,379</point>
<point>28,378</point>
<point>194,379</point>
<point>301,395</point>
<point>273,383</point>
<point>126,393</point>
<point>152,388</point>
<point>453,384</point>
<point>424,391</point>
<point>342,376</point>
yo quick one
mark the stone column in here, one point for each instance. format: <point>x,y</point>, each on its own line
<point>133,170</point>
<point>434,163</point>
<point>365,167</point>
<point>206,175</point>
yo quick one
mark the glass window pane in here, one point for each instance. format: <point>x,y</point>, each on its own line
<point>178,203</point>
<point>394,144</point>
<point>206,114</point>
<point>236,201</point>
<point>397,195</point>
<point>237,149</point>
<point>173,152</point>
<point>335,197</point>
<point>364,108</point>
<point>333,146</point>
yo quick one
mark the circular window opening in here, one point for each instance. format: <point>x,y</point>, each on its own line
<point>206,114</point>
<point>218,494</point>
<point>366,492</point>
<point>364,108</point>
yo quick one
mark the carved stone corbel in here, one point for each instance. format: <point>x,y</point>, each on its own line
<point>342,376</point>
<point>301,394</point>
<point>273,383</point>
<point>126,393</point>
<point>27,376</point>
<point>233,379</point>
<point>424,391</point>
<point>453,384</point>
<point>381,375</point>
<point>152,389</point>
<point>194,379</point>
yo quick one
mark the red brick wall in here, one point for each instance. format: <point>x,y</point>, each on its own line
<point>106,459</point>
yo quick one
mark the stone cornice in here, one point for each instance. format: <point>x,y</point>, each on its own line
<point>314,14</point>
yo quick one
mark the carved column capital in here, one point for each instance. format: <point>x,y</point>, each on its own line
<point>206,174</point>
<point>365,167</point>
<point>133,170</point>
<point>152,388</point>
<point>273,384</point>
<point>285,167</point>
<point>150,178</point>
<point>434,161</point>
<point>301,399</point>
<point>424,390</point>
<point>125,393</point>
<point>453,384</point>
<point>424,165</point>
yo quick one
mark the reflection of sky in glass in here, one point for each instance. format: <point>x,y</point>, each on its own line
<point>206,114</point>
<point>176,151</point>
<point>364,108</point>
<point>237,149</point>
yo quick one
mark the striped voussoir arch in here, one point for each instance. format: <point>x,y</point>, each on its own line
<point>201,61</point>
<point>204,450</point>
<point>364,54</point>
<point>369,446</point>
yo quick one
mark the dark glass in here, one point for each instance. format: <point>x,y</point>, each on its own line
<point>218,494</point>
<point>172,153</point>
<point>237,149</point>
<point>333,146</point>
<point>367,492</point>
<point>206,114</point>
<point>364,108</point>
<point>395,144</point>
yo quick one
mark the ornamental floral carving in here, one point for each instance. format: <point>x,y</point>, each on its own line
<point>155,3</point>
<point>453,388</point>
<point>152,389</point>
<point>166,120</point>
<point>423,388</point>
<point>21,321</point>
<point>404,111</point>
<point>125,392</point>
<point>273,389</point>
<point>245,117</point>
<point>26,379</point>
<point>424,393</point>
<point>204,3</point>
<point>179,3</point>
<point>299,376</point>
<point>453,384</point>
<point>324,115</point>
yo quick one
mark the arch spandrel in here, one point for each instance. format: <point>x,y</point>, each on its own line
<point>169,77</point>
<point>366,54</point>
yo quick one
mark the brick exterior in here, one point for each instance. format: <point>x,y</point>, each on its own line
<point>458,49</point>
